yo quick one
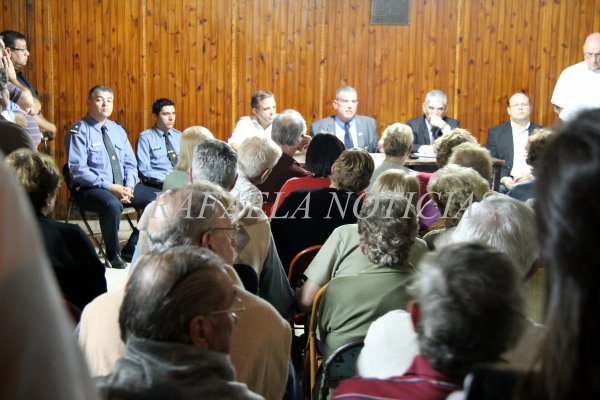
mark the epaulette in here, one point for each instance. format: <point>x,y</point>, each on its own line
<point>75,128</point>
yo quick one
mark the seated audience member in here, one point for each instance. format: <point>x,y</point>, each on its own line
<point>103,172</point>
<point>566,215</point>
<point>190,138</point>
<point>535,147</point>
<point>397,146</point>
<point>77,268</point>
<point>355,131</point>
<point>453,339</point>
<point>507,141</point>
<point>158,147</point>
<point>341,254</point>
<point>453,189</point>
<point>216,162</point>
<point>308,216</point>
<point>256,158</point>
<point>504,224</point>
<point>387,228</point>
<point>12,136</point>
<point>289,132</point>
<point>178,314</point>
<point>443,149</point>
<point>433,124</point>
<point>260,123</point>
<point>261,341</point>
<point>38,354</point>
<point>474,156</point>
<point>322,152</point>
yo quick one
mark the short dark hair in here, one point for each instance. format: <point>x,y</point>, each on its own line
<point>260,96</point>
<point>159,104</point>
<point>519,92</point>
<point>101,88</point>
<point>322,152</point>
<point>168,289</point>
<point>10,37</point>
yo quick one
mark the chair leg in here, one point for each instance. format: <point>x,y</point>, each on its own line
<point>69,208</point>
<point>93,235</point>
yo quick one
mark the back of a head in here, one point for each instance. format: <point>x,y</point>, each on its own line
<point>471,306</point>
<point>288,128</point>
<point>352,170</point>
<point>214,161</point>
<point>444,145</point>
<point>180,217</point>
<point>387,227</point>
<point>323,150</point>
<point>38,174</point>
<point>190,138</point>
<point>398,139</point>
<point>568,217</point>
<point>506,224</point>
<point>453,188</point>
<point>474,156</point>
<point>256,154</point>
<point>397,181</point>
<point>167,289</point>
<point>536,145</point>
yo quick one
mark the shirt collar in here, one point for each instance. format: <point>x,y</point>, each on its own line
<point>342,124</point>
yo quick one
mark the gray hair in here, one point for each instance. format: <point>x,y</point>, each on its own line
<point>168,289</point>
<point>181,218</point>
<point>387,227</point>
<point>504,223</point>
<point>471,306</point>
<point>436,95</point>
<point>214,161</point>
<point>344,89</point>
<point>398,138</point>
<point>288,128</point>
<point>257,154</point>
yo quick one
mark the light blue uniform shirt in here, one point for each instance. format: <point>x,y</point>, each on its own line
<point>152,152</point>
<point>88,159</point>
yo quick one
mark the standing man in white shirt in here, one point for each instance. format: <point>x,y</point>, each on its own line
<point>578,86</point>
<point>259,124</point>
<point>508,141</point>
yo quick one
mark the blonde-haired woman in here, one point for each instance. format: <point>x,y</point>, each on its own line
<point>190,138</point>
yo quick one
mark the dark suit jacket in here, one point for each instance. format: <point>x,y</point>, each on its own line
<point>421,133</point>
<point>500,144</point>
<point>366,130</point>
<point>77,268</point>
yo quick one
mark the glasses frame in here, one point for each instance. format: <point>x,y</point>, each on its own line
<point>17,49</point>
<point>234,310</point>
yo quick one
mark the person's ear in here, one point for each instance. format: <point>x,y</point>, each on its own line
<point>199,331</point>
<point>415,313</point>
<point>206,240</point>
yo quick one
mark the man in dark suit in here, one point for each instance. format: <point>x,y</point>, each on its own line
<point>354,130</point>
<point>508,141</point>
<point>433,124</point>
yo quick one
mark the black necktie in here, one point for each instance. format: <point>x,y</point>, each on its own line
<point>435,132</point>
<point>112,155</point>
<point>171,154</point>
<point>348,143</point>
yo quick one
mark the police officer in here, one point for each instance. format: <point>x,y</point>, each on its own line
<point>158,147</point>
<point>102,165</point>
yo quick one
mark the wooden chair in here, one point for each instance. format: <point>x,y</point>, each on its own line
<point>300,262</point>
<point>312,357</point>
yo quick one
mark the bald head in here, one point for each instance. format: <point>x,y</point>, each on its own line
<point>591,51</point>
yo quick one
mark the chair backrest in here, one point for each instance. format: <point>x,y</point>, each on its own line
<point>313,358</point>
<point>300,262</point>
<point>340,365</point>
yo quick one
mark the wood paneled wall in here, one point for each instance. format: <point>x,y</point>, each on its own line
<point>209,56</point>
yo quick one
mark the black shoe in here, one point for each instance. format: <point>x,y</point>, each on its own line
<point>117,262</point>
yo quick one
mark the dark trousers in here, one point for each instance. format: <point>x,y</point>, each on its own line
<point>109,208</point>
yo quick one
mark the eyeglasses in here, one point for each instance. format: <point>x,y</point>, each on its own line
<point>235,309</point>
<point>344,101</point>
<point>233,231</point>
<point>23,50</point>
